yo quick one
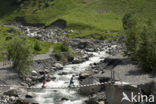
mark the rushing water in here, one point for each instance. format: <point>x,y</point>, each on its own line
<point>53,96</point>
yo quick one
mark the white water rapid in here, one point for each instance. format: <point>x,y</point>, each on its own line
<point>54,96</point>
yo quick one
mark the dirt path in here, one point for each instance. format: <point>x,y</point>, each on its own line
<point>128,71</point>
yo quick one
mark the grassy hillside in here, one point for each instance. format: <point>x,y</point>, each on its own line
<point>7,35</point>
<point>95,15</point>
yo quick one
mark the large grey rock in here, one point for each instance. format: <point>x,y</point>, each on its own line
<point>85,74</point>
<point>12,92</point>
<point>89,90</point>
<point>30,95</point>
<point>58,66</point>
<point>34,73</point>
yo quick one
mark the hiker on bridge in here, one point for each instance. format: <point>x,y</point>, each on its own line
<point>71,81</point>
<point>44,79</point>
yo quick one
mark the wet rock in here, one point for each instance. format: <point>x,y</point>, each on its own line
<point>12,92</point>
<point>21,101</point>
<point>28,80</point>
<point>146,88</point>
<point>30,95</point>
<point>50,77</point>
<point>63,73</point>
<point>34,78</point>
<point>78,60</point>
<point>64,99</point>
<point>34,73</point>
<point>89,90</point>
<point>58,66</point>
<point>85,74</point>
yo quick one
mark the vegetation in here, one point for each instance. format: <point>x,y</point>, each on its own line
<point>84,16</point>
<point>62,52</point>
<point>141,44</point>
<point>37,46</point>
<point>19,51</point>
<point>7,34</point>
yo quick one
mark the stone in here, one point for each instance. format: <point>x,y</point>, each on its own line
<point>64,99</point>
<point>21,101</point>
<point>34,73</point>
<point>30,95</point>
<point>58,66</point>
<point>34,78</point>
<point>85,74</point>
<point>50,77</point>
<point>28,80</point>
<point>12,92</point>
<point>63,73</point>
<point>89,90</point>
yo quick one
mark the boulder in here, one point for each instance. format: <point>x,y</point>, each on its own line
<point>63,73</point>
<point>34,73</point>
<point>30,95</point>
<point>89,90</point>
<point>12,92</point>
<point>85,74</point>
<point>58,66</point>
<point>28,80</point>
<point>50,77</point>
<point>34,78</point>
<point>64,99</point>
<point>21,101</point>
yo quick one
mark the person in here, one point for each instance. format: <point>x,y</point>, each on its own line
<point>44,79</point>
<point>71,81</point>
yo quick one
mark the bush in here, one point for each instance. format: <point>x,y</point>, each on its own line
<point>20,53</point>
<point>62,52</point>
<point>37,46</point>
<point>140,42</point>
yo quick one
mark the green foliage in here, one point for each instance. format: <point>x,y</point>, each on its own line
<point>81,15</point>
<point>41,46</point>
<point>62,52</point>
<point>20,53</point>
<point>140,42</point>
<point>37,46</point>
<point>146,52</point>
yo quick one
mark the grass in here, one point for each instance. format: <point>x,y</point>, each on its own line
<point>10,32</point>
<point>81,15</point>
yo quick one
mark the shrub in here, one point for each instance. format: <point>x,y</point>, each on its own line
<point>140,42</point>
<point>37,46</point>
<point>20,53</point>
<point>62,52</point>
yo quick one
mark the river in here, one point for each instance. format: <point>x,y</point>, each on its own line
<point>54,96</point>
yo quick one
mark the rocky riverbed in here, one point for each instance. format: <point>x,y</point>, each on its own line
<point>94,63</point>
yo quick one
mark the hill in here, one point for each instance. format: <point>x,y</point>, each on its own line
<point>84,16</point>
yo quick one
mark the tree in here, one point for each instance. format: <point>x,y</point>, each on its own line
<point>20,53</point>
<point>140,41</point>
<point>147,48</point>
